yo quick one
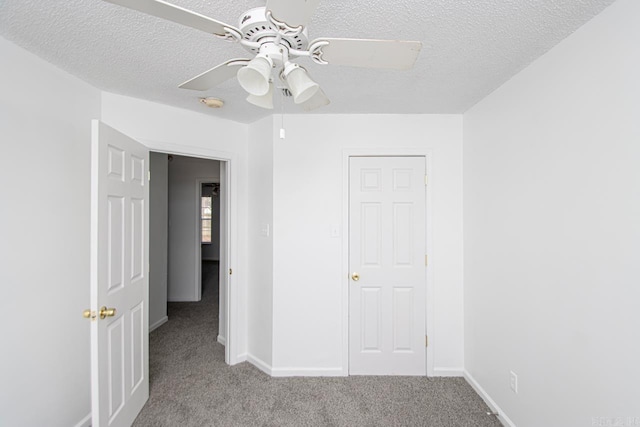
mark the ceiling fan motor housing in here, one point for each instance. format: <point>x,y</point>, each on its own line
<point>255,27</point>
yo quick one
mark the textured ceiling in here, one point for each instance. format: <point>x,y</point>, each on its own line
<point>470,47</point>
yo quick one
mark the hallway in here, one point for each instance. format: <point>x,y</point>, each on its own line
<point>185,359</point>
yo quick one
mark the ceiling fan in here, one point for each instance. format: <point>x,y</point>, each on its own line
<point>276,35</point>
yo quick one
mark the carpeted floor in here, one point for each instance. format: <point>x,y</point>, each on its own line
<point>190,385</point>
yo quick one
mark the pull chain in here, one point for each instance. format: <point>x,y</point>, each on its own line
<point>282,133</point>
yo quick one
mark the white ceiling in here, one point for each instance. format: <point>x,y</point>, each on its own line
<point>470,47</point>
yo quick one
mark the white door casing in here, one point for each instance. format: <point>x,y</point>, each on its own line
<point>387,250</point>
<point>230,333</point>
<point>119,277</point>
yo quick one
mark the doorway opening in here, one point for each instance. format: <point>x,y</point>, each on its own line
<point>120,268</point>
<point>208,219</point>
<point>189,235</point>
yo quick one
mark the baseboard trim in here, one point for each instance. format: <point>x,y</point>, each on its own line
<point>448,372</point>
<point>308,372</point>
<point>85,422</point>
<point>289,372</point>
<point>159,323</point>
<point>502,417</point>
<point>260,364</point>
<point>222,340</point>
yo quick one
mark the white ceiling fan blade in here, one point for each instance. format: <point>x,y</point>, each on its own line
<point>215,76</point>
<point>170,12</point>
<point>394,54</point>
<point>318,100</point>
<point>292,12</point>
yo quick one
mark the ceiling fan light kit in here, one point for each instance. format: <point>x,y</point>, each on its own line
<point>276,35</point>
<point>301,86</point>
<point>254,77</point>
<point>264,101</point>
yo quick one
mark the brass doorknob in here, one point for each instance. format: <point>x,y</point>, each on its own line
<point>355,277</point>
<point>88,314</point>
<point>107,312</point>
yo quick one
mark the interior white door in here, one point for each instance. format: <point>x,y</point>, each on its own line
<point>119,277</point>
<point>387,269</point>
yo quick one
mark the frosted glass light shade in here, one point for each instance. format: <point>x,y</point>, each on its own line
<point>264,101</point>
<point>301,86</point>
<point>254,77</point>
<point>316,101</point>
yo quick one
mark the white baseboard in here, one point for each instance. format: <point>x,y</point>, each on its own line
<point>448,372</point>
<point>502,417</point>
<point>159,323</point>
<point>260,364</point>
<point>308,372</point>
<point>222,340</point>
<point>289,372</point>
<point>85,422</point>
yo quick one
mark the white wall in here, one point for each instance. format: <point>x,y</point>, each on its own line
<point>552,231</point>
<point>260,281</point>
<point>174,130</point>
<point>158,236</point>
<point>45,134</point>
<point>308,321</point>
<point>186,174</point>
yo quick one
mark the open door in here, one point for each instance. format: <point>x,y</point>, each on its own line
<point>119,277</point>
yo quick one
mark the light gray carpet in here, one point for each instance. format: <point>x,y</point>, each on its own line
<point>190,385</point>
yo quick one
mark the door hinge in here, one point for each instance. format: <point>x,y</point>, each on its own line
<point>149,175</point>
<point>230,271</point>
<point>426,260</point>
<point>426,180</point>
<point>426,341</point>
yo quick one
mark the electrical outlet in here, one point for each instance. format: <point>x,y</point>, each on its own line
<point>513,381</point>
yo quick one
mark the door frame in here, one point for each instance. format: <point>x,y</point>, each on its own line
<point>429,305</point>
<point>228,244</point>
